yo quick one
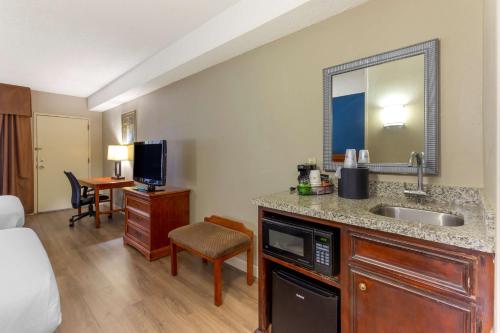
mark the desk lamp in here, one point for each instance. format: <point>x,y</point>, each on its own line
<point>118,154</point>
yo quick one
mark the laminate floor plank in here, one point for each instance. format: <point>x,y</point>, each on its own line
<point>106,286</point>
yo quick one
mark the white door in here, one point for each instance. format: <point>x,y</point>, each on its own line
<point>62,144</point>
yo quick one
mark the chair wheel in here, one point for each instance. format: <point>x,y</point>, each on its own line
<point>71,224</point>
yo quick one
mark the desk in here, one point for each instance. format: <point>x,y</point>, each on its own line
<point>105,183</point>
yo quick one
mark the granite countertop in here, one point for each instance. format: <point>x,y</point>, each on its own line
<point>477,232</point>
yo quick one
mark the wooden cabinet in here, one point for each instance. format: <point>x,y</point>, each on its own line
<point>401,285</point>
<point>395,284</point>
<point>150,216</point>
<point>433,268</point>
<point>382,305</point>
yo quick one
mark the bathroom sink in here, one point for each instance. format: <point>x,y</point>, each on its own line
<point>419,216</point>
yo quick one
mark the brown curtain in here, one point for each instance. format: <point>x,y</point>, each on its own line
<point>16,150</point>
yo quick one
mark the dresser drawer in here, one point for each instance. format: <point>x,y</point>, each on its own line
<point>138,204</point>
<point>138,217</point>
<point>138,235</point>
<point>420,264</point>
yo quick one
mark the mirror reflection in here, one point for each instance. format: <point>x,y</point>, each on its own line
<point>380,108</point>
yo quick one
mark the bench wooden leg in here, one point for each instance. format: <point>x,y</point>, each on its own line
<point>218,282</point>
<point>173,259</point>
<point>250,266</point>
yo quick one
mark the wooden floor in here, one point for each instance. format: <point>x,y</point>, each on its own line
<point>108,287</point>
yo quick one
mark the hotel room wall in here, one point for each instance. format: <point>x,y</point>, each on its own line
<point>237,130</point>
<point>491,109</point>
<point>490,98</point>
<point>56,104</point>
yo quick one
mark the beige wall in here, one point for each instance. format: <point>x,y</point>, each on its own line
<point>48,103</point>
<point>491,109</point>
<point>237,130</point>
<point>490,99</point>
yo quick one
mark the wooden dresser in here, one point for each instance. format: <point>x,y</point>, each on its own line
<point>150,216</point>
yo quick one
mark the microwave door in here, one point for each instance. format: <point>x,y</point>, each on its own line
<point>290,243</point>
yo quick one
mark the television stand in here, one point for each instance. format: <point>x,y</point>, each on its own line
<point>150,216</point>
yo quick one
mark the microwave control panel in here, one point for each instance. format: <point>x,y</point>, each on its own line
<point>323,251</point>
<point>323,261</point>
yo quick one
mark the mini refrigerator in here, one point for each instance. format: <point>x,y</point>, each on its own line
<point>300,305</point>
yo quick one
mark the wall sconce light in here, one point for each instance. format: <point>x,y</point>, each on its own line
<point>394,115</point>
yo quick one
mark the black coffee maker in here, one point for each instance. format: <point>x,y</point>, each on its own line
<point>304,170</point>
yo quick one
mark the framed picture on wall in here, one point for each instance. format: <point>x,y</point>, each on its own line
<point>129,128</point>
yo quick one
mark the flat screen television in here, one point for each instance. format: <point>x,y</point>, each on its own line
<point>150,163</point>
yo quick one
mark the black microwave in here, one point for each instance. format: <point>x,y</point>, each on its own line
<point>289,239</point>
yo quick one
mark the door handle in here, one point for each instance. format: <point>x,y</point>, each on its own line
<point>362,286</point>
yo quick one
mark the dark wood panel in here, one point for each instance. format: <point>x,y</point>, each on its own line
<point>484,286</point>
<point>332,281</point>
<point>264,284</point>
<point>438,268</point>
<point>381,305</point>
<point>345,244</point>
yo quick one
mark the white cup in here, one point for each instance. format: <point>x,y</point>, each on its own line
<point>315,178</point>
<point>364,156</point>
<point>350,159</point>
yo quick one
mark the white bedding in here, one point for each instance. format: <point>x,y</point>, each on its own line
<point>11,212</point>
<point>29,298</point>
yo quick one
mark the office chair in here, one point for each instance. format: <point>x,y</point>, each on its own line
<point>82,196</point>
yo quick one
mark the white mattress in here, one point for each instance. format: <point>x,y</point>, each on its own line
<point>29,298</point>
<point>11,212</point>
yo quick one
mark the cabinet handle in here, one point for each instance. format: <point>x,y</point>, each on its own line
<point>362,286</point>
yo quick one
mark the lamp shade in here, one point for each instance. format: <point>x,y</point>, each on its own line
<point>117,153</point>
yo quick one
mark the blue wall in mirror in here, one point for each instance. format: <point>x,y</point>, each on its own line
<point>348,122</point>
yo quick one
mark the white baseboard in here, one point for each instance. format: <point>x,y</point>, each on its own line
<point>241,265</point>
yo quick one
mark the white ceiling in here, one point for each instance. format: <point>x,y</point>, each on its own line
<point>75,47</point>
<point>113,51</point>
<point>244,26</point>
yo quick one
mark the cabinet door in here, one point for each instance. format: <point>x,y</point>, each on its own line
<point>381,305</point>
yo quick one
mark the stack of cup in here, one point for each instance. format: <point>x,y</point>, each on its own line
<point>364,156</point>
<point>350,159</point>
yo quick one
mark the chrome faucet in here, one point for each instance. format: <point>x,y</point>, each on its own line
<point>419,159</point>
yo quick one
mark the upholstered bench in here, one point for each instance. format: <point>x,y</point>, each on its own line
<point>215,240</point>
